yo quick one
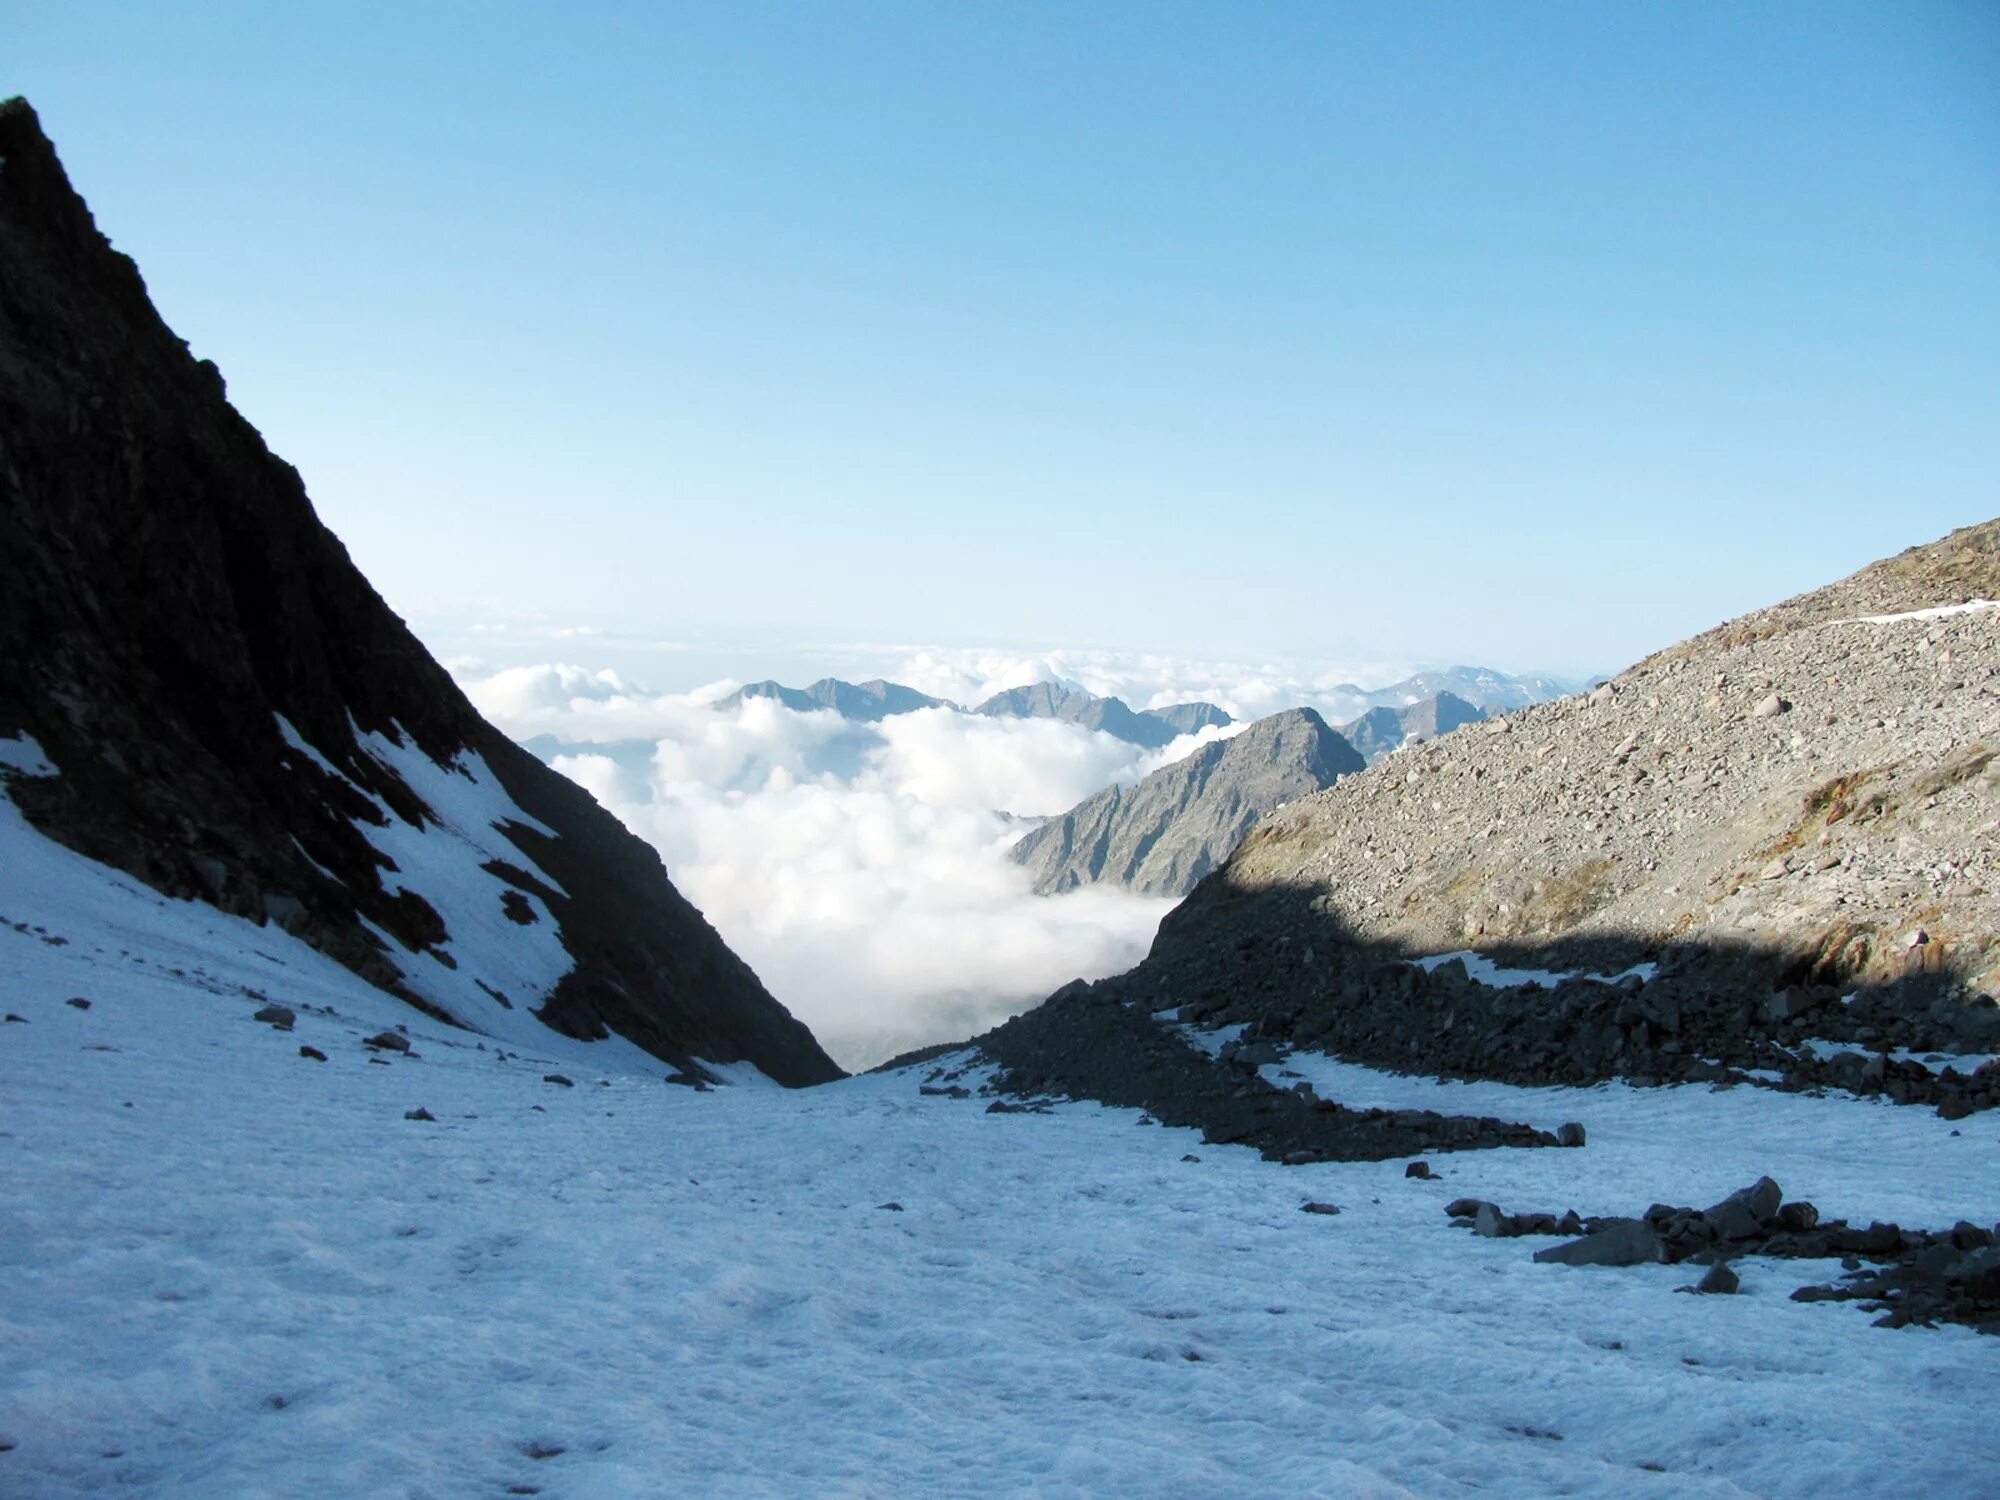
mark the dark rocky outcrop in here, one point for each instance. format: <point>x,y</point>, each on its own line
<point>1085,1043</point>
<point>1162,835</point>
<point>167,593</point>
<point>1917,1276</point>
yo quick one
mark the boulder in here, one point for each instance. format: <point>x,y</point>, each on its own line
<point>1747,1212</point>
<point>1720,1280</point>
<point>1615,1242</point>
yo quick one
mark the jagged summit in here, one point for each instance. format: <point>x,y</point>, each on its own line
<point>1161,836</point>
<point>236,716</point>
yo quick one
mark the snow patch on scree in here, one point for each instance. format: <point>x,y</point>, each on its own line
<point>1486,972</point>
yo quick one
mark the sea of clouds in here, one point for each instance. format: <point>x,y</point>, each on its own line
<point>861,869</point>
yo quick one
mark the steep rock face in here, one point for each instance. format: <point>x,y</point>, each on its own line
<point>1154,728</point>
<point>864,702</point>
<point>237,716</point>
<point>1162,835</point>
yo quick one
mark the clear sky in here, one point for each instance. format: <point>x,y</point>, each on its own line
<point>1536,334</point>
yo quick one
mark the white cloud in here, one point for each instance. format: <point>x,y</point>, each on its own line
<point>860,869</point>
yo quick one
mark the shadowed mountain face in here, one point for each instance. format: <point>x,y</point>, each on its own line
<point>1154,728</point>
<point>1382,730</point>
<point>864,702</point>
<point>237,717</point>
<point>1162,835</point>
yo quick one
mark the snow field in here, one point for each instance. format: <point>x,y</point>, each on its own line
<point>229,1270</point>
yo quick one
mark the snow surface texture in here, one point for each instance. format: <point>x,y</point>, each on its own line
<point>231,1270</point>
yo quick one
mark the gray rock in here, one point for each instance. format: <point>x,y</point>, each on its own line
<point>1319,1208</point>
<point>312,1053</point>
<point>1747,1211</point>
<point>388,1041</point>
<point>1571,1134</point>
<point>419,1114</point>
<point>1419,1169</point>
<point>1719,1280</point>
<point>1615,1242</point>
<point>1770,708</point>
<point>276,1015</point>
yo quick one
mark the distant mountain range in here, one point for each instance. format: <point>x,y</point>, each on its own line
<point>1382,730</point>
<point>871,702</point>
<point>1154,728</point>
<point>1422,706</point>
<point>864,702</point>
<point>1162,835</point>
<point>1482,687</point>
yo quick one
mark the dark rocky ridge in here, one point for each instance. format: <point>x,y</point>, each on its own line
<point>166,591</point>
<point>1164,834</point>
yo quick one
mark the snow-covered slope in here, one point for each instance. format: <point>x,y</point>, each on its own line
<point>230,1269</point>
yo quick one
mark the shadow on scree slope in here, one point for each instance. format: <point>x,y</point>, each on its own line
<point>1273,961</point>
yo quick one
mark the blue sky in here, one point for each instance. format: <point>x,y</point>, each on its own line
<point>1538,335</point>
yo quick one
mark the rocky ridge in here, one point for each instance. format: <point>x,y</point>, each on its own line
<point>1161,835</point>
<point>1772,818</point>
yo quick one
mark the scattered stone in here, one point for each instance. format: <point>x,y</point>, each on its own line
<point>1467,1208</point>
<point>388,1041</point>
<point>15,1020</point>
<point>1797,1218</point>
<point>1570,1134</point>
<point>1770,708</point>
<point>1190,1156</point>
<point>1419,1169</point>
<point>1319,1208</point>
<point>1719,1281</point>
<point>558,1079</point>
<point>959,1091</point>
<point>79,1003</point>
<point>419,1113</point>
<point>312,1052</point>
<point>892,1206</point>
<point>276,1015</point>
